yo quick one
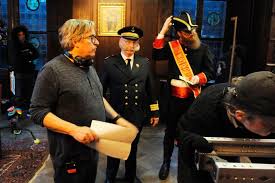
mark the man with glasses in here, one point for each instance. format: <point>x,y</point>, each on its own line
<point>131,85</point>
<point>244,109</point>
<point>190,66</point>
<point>67,96</point>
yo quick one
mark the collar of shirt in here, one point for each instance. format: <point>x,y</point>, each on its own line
<point>124,58</point>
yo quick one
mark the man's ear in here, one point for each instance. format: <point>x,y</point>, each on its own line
<point>239,115</point>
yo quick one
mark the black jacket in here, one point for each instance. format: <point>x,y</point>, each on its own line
<point>200,60</point>
<point>23,56</point>
<point>131,93</point>
<point>206,117</point>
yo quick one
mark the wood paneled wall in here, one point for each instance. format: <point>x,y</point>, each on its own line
<point>57,13</point>
<point>149,15</point>
<point>271,47</point>
<point>254,30</point>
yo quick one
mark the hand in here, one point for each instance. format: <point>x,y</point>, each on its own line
<point>125,123</point>
<point>201,144</point>
<point>154,121</point>
<point>196,142</point>
<point>195,80</point>
<point>166,26</point>
<point>189,142</point>
<point>84,134</point>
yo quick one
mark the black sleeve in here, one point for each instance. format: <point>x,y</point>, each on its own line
<point>187,161</point>
<point>191,129</point>
<point>151,91</point>
<point>12,51</point>
<point>208,64</point>
<point>189,142</point>
<point>104,77</point>
<point>161,54</point>
<point>45,95</point>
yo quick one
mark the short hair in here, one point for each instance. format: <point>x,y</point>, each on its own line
<point>231,101</point>
<point>74,30</point>
<point>16,30</point>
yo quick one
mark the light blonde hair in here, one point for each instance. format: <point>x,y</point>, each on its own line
<point>74,30</point>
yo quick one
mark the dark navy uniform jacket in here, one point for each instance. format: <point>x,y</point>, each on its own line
<point>131,92</point>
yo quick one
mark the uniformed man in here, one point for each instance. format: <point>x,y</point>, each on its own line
<point>131,86</point>
<point>196,65</point>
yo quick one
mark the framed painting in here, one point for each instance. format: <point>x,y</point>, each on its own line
<point>111,18</point>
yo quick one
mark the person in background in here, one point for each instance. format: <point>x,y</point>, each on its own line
<point>182,93</point>
<point>22,60</point>
<point>244,109</point>
<point>67,96</point>
<point>129,79</point>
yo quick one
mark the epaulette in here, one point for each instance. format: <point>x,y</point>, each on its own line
<point>109,57</point>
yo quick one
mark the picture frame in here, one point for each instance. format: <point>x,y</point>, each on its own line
<point>111,18</point>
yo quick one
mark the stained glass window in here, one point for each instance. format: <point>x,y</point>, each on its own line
<point>40,42</point>
<point>215,46</point>
<point>4,10</point>
<point>34,20</point>
<point>214,13</point>
<point>3,31</point>
<point>189,6</point>
<point>33,15</point>
<point>33,5</point>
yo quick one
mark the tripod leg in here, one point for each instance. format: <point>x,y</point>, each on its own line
<point>35,140</point>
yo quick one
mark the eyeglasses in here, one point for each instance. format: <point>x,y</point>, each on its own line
<point>93,39</point>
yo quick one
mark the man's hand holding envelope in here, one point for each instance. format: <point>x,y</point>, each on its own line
<point>114,139</point>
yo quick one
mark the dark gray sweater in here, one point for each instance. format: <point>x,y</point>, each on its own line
<point>73,94</point>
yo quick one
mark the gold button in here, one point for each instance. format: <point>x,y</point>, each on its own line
<point>136,90</point>
<point>126,103</point>
<point>126,91</point>
<point>136,97</point>
<point>136,103</point>
<point>125,85</point>
<point>136,85</point>
<point>126,97</point>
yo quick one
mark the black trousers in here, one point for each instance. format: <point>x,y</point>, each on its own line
<point>187,171</point>
<point>130,163</point>
<point>85,171</point>
<point>176,108</point>
<point>24,84</point>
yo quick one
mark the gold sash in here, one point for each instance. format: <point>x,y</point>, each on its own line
<point>183,65</point>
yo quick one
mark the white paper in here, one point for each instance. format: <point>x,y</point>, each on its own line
<point>114,140</point>
<point>183,78</point>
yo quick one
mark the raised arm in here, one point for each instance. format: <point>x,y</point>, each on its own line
<point>160,51</point>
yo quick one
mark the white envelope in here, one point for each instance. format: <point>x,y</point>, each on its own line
<point>114,140</point>
<point>183,78</point>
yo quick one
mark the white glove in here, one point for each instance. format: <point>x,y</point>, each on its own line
<point>195,80</point>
